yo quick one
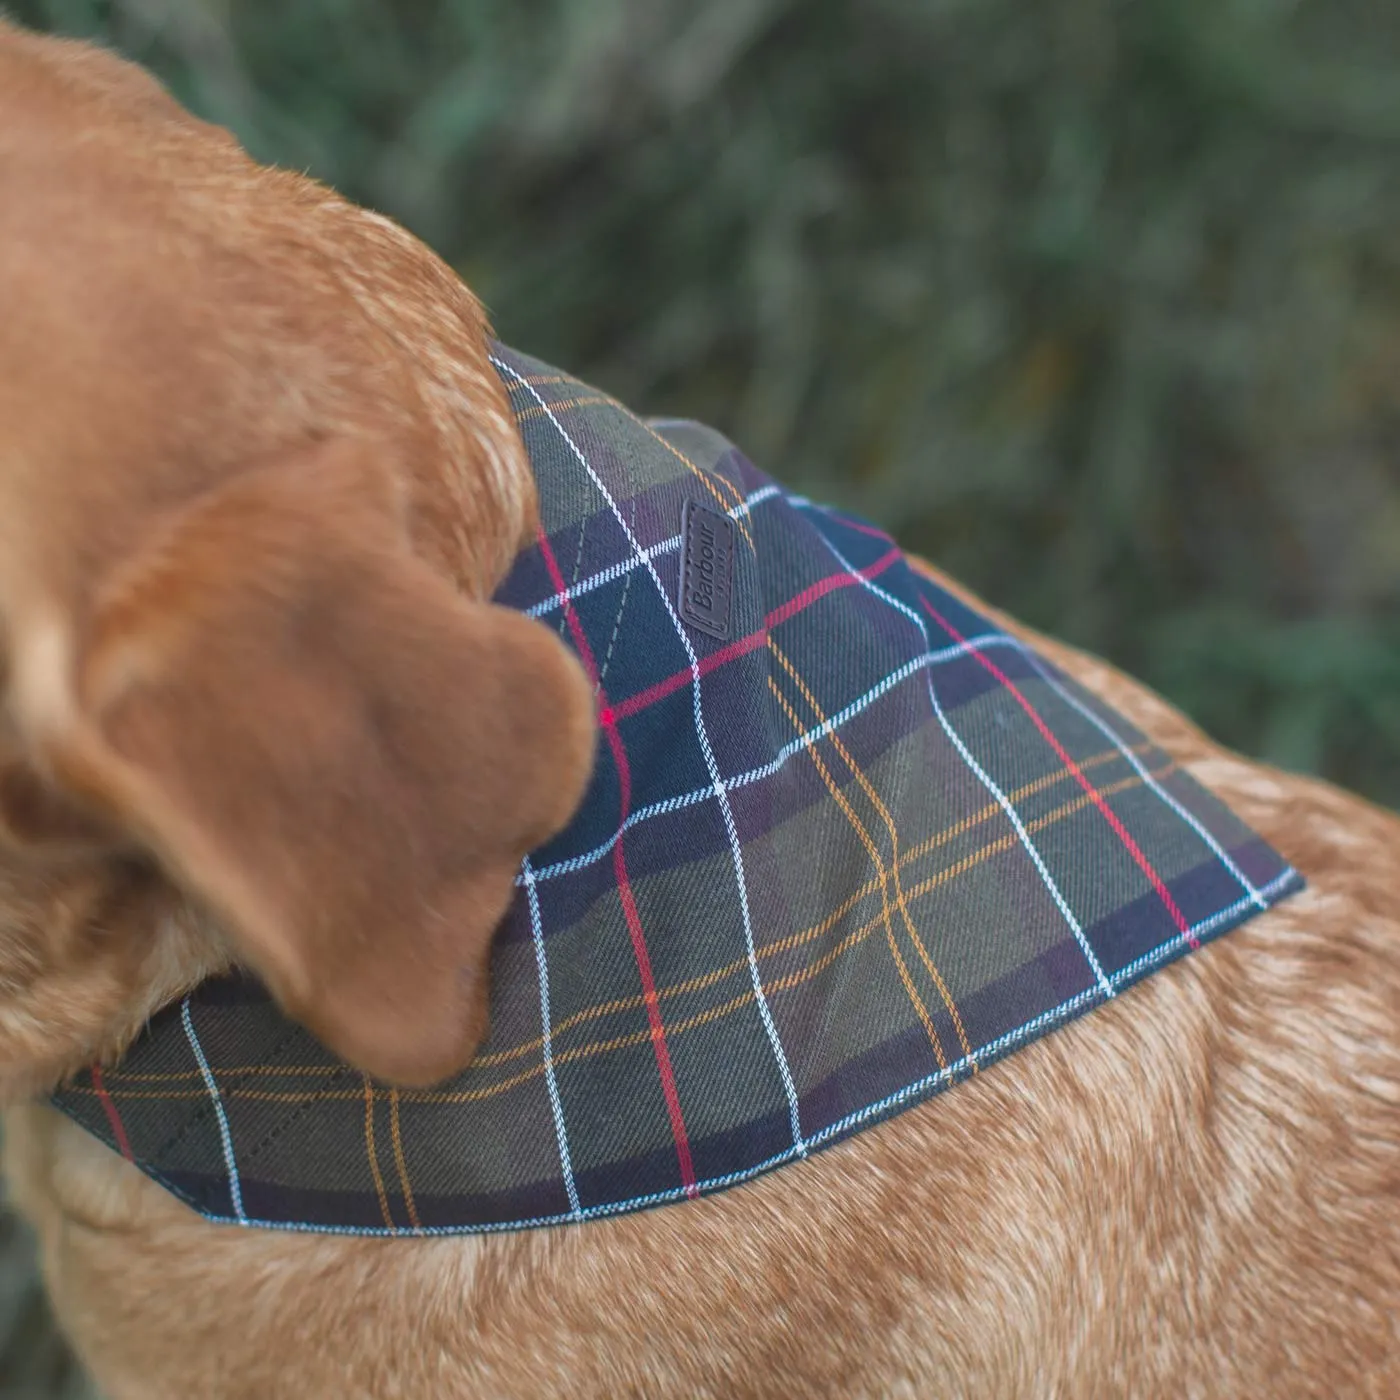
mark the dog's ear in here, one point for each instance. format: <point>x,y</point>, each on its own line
<point>39,820</point>
<point>343,757</point>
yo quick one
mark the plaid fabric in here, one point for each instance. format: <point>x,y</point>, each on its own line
<point>831,862</point>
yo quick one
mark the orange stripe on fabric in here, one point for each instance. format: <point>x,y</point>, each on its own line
<point>541,411</point>
<point>840,799</point>
<point>410,1205</point>
<point>707,479</point>
<point>869,789</point>
<point>735,497</point>
<point>371,1153</point>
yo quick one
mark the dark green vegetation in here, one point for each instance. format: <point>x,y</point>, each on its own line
<point>1095,302</point>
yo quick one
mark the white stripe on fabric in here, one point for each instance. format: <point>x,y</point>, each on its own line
<point>1116,740</point>
<point>555,1103</point>
<point>984,777</point>
<point>615,571</point>
<point>235,1188</point>
<point>716,781</point>
<point>782,758</point>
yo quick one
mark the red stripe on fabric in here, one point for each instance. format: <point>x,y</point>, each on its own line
<point>608,717</point>
<point>114,1118</point>
<point>681,679</point>
<point>643,698</point>
<point>865,529</point>
<point>1109,815</point>
<point>820,589</point>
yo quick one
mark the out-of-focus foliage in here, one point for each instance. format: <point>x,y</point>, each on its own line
<point>1096,303</point>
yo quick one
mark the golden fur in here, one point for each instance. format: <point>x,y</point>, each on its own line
<point>1194,1191</point>
<point>257,479</point>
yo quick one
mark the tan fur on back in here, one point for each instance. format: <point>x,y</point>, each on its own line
<point>1193,1191</point>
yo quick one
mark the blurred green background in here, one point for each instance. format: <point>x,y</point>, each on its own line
<point>1094,302</point>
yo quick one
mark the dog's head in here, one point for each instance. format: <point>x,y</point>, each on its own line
<point>257,481</point>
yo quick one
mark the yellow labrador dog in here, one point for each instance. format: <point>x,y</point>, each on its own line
<point>1193,1191</point>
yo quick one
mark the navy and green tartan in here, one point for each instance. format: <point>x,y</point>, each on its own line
<point>831,861</point>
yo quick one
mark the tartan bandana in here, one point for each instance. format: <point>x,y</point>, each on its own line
<point>847,843</point>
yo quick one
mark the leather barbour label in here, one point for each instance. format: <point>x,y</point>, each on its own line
<point>707,569</point>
